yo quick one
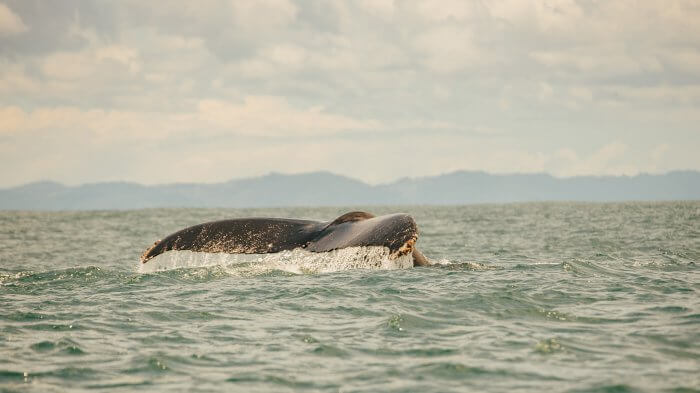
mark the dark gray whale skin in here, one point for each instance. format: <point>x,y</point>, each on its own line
<point>397,232</point>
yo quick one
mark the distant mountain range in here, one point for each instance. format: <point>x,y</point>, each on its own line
<point>327,189</point>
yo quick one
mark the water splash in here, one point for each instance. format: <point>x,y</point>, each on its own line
<point>296,261</point>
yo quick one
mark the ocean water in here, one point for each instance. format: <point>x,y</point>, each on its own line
<point>552,297</point>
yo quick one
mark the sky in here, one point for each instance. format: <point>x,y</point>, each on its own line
<point>207,91</point>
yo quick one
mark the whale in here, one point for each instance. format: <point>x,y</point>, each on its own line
<point>395,233</point>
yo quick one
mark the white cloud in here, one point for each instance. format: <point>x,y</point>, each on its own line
<point>383,8</point>
<point>684,59</point>
<point>287,55</point>
<point>263,15</point>
<point>88,63</point>
<point>111,124</point>
<point>685,94</point>
<point>69,65</point>
<point>657,155</point>
<point>581,93</point>
<point>13,119</point>
<point>447,49</point>
<point>275,116</point>
<point>599,60</point>
<point>544,15</point>
<point>255,116</point>
<point>545,91</point>
<point>609,159</point>
<point>10,23</point>
<point>14,80</point>
<point>496,85</point>
<point>444,10</point>
<point>126,56</point>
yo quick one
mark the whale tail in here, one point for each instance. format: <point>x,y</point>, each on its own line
<point>396,232</point>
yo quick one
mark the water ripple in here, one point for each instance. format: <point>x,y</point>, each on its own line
<point>525,297</point>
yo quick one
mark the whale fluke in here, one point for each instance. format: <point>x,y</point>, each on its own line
<point>397,232</point>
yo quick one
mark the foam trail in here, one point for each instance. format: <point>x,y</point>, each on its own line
<point>295,261</point>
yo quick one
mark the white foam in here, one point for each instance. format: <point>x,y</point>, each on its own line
<point>295,261</point>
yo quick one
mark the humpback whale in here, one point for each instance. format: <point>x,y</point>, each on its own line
<point>397,233</point>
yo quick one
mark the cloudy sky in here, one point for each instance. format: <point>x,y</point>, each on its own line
<point>206,91</point>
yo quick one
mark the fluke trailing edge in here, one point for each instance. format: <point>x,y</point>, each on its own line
<point>397,232</point>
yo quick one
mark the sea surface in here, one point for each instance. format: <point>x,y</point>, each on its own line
<point>555,297</point>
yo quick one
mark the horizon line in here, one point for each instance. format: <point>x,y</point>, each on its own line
<point>396,180</point>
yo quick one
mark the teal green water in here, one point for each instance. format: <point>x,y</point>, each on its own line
<point>527,297</point>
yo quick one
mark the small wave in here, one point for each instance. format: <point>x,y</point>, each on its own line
<point>296,261</point>
<point>458,265</point>
<point>72,276</point>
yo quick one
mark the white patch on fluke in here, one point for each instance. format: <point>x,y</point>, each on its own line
<point>295,261</point>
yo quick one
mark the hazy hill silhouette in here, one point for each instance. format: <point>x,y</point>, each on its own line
<point>327,189</point>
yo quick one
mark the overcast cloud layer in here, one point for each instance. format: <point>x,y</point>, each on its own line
<point>212,90</point>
